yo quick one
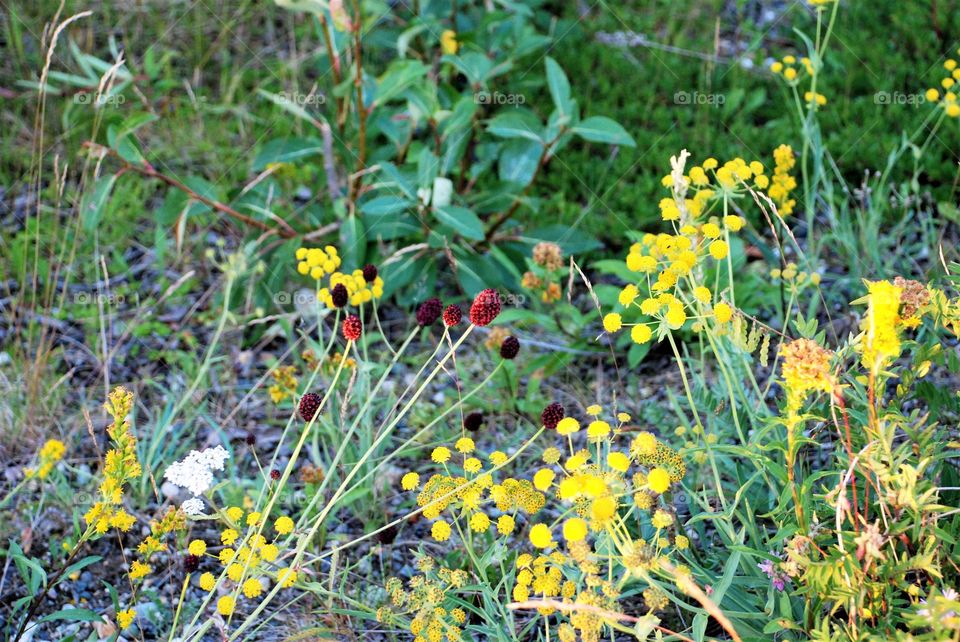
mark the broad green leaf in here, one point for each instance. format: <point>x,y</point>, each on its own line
<point>286,150</point>
<point>73,615</point>
<point>463,221</point>
<point>519,160</point>
<point>516,123</point>
<point>559,86</point>
<point>600,129</point>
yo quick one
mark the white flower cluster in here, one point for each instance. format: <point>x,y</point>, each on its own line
<point>193,506</point>
<point>195,471</point>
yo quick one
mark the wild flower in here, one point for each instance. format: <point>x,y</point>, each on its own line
<point>195,471</point>
<point>783,183</point>
<point>806,368</point>
<point>317,262</point>
<point>945,98</point>
<point>50,453</point>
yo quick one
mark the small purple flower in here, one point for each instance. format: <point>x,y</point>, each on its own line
<point>777,577</point>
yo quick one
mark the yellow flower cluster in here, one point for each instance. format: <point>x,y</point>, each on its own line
<point>783,183</point>
<point>285,383</point>
<point>791,69</point>
<point>121,466</point>
<point>794,276</point>
<point>358,290</point>
<point>805,369</point>
<point>317,262</point>
<point>881,339</point>
<point>948,99</point>
<point>50,453</point>
<point>250,562</point>
<point>475,495</point>
<point>429,601</point>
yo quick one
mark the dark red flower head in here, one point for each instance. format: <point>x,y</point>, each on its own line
<point>352,327</point>
<point>274,474</point>
<point>486,306</point>
<point>473,421</point>
<point>369,273</point>
<point>191,563</point>
<point>339,295</point>
<point>309,404</point>
<point>509,348</point>
<point>429,311</point>
<point>552,415</point>
<point>452,315</point>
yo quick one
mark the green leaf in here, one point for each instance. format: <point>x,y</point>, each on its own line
<point>517,123</point>
<point>519,160</point>
<point>285,150</point>
<point>559,86</point>
<point>399,75</point>
<point>73,615</point>
<point>428,166</point>
<point>600,129</point>
<point>461,220</point>
<point>94,205</point>
<point>353,244</point>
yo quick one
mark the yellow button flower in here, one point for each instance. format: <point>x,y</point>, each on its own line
<point>540,536</point>
<point>574,529</point>
<point>658,480</point>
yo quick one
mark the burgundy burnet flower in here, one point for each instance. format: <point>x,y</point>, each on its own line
<point>510,347</point>
<point>191,563</point>
<point>552,415</point>
<point>274,474</point>
<point>452,315</point>
<point>309,404</point>
<point>473,421</point>
<point>485,308</point>
<point>339,295</point>
<point>352,327</point>
<point>429,311</point>
<point>369,273</point>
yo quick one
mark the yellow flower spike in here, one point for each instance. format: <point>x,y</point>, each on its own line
<point>125,618</point>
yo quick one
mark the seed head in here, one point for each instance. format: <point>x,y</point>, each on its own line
<point>429,311</point>
<point>486,306</point>
<point>352,328</point>
<point>309,404</point>
<point>510,347</point>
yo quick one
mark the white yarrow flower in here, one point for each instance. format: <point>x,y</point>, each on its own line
<point>195,471</point>
<point>193,506</point>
